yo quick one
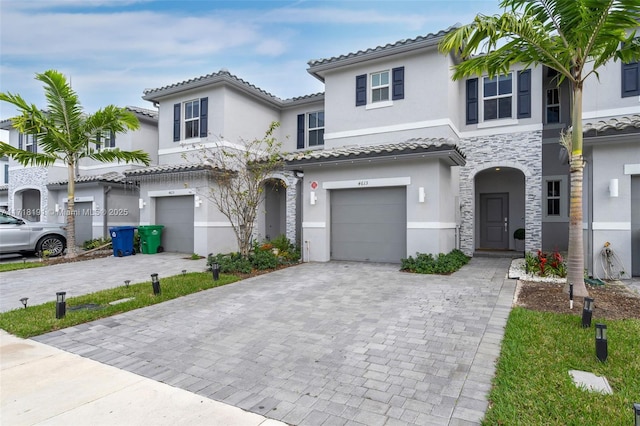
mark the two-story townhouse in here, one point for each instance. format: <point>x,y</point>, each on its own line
<point>103,197</point>
<point>208,112</point>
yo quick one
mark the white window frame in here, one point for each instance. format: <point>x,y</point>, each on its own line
<point>379,88</point>
<point>103,143</point>
<point>30,142</point>
<point>310,129</point>
<point>563,197</point>
<point>554,105</point>
<point>497,96</point>
<point>192,119</point>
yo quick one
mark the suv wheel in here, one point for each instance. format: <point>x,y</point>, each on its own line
<point>54,244</point>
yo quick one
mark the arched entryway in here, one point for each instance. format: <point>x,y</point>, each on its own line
<point>275,203</point>
<point>500,206</point>
<point>27,204</point>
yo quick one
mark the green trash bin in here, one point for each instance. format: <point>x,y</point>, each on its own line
<point>150,238</point>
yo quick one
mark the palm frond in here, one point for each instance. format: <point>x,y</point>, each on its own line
<point>27,158</point>
<point>115,155</point>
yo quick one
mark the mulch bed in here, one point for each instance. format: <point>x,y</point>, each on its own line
<point>612,301</point>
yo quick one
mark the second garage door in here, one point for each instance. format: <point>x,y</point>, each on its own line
<point>176,214</point>
<point>369,224</point>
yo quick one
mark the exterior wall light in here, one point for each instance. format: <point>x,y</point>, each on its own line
<point>613,188</point>
<point>155,283</point>
<point>312,198</point>
<point>601,342</point>
<point>421,194</point>
<point>61,304</point>
<point>24,301</point>
<point>587,312</point>
<point>141,203</point>
<point>215,269</point>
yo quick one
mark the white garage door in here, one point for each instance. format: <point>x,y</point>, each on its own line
<point>369,224</point>
<point>176,214</point>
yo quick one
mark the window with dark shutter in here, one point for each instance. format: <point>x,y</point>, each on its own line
<point>204,108</point>
<point>630,79</point>
<point>398,83</point>
<point>300,141</point>
<point>176,122</point>
<point>20,144</point>
<point>472,101</point>
<point>524,94</point>
<point>361,90</point>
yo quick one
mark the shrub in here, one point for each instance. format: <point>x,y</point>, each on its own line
<point>543,264</point>
<point>442,264</point>
<point>263,259</point>
<point>95,243</point>
<point>230,263</point>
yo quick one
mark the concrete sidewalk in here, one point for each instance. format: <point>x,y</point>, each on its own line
<point>43,385</point>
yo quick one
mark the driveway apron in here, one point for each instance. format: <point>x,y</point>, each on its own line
<point>322,343</point>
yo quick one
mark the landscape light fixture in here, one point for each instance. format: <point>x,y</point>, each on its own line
<point>24,301</point>
<point>587,312</point>
<point>570,295</point>
<point>127,282</point>
<point>24,260</point>
<point>61,304</point>
<point>215,269</point>
<point>601,342</point>
<point>184,272</point>
<point>636,413</point>
<point>155,283</point>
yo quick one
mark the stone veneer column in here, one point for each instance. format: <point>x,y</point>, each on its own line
<point>522,151</point>
<point>29,178</point>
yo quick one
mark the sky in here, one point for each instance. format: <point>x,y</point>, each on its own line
<point>112,50</point>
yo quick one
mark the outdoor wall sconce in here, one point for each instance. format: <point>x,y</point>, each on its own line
<point>127,282</point>
<point>636,413</point>
<point>601,342</point>
<point>141,203</point>
<point>61,304</point>
<point>587,312</point>
<point>421,194</point>
<point>155,283</point>
<point>613,188</point>
<point>313,198</point>
<point>197,201</point>
<point>570,295</point>
<point>24,301</point>
<point>215,269</point>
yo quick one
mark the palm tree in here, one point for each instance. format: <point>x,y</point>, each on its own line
<point>574,38</point>
<point>67,134</point>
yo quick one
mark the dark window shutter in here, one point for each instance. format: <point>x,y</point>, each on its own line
<point>176,122</point>
<point>204,117</point>
<point>630,79</point>
<point>35,144</point>
<point>361,90</point>
<point>398,83</point>
<point>20,143</point>
<point>524,94</point>
<point>472,101</point>
<point>112,139</point>
<point>300,144</point>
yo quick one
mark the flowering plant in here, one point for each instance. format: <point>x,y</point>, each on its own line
<point>544,264</point>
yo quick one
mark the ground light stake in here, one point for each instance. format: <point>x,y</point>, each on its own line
<point>601,342</point>
<point>24,301</point>
<point>215,268</point>
<point>570,295</point>
<point>587,312</point>
<point>155,283</point>
<point>61,304</point>
<point>636,413</point>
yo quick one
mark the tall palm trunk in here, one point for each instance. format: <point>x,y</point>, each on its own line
<point>71,216</point>
<point>575,262</point>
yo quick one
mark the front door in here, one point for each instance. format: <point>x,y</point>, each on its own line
<point>494,221</point>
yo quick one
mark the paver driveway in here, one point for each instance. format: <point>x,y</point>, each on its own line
<point>322,343</point>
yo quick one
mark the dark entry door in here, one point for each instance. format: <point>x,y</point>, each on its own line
<point>494,221</point>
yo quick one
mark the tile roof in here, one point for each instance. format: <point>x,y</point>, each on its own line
<point>402,45</point>
<point>410,148</point>
<point>4,188</point>
<point>169,168</point>
<point>110,177</point>
<point>625,124</point>
<point>143,111</point>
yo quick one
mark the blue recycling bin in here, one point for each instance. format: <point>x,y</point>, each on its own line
<point>122,240</point>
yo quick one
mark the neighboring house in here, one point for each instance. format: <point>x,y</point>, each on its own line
<point>103,197</point>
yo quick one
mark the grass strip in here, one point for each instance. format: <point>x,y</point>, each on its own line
<point>15,266</point>
<point>532,385</point>
<point>40,319</point>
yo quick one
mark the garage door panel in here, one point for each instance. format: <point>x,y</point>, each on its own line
<point>369,224</point>
<point>176,214</point>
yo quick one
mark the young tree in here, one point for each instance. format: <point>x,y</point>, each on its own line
<point>241,172</point>
<point>67,134</point>
<point>573,37</point>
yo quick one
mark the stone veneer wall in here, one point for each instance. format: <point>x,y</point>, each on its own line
<point>522,151</point>
<point>29,178</point>
<point>290,182</point>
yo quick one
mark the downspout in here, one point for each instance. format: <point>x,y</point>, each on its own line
<point>105,221</point>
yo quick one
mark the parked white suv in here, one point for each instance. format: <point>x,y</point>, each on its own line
<point>19,235</point>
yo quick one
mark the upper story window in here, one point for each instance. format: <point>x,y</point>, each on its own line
<point>497,97</point>
<point>556,199</point>
<point>193,123</point>
<point>310,130</point>
<point>27,142</point>
<point>6,173</point>
<point>380,87</point>
<point>105,140</point>
<point>553,105</point>
<point>630,79</point>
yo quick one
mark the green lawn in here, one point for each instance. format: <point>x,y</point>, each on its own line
<point>532,384</point>
<point>14,266</point>
<point>40,319</point>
